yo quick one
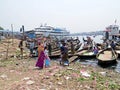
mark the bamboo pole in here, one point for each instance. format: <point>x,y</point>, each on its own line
<point>12,34</point>
<point>7,48</point>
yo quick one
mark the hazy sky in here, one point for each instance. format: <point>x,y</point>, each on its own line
<point>74,15</point>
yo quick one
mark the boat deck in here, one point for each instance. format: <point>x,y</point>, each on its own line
<point>107,55</point>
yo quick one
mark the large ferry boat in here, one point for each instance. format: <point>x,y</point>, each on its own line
<point>48,31</point>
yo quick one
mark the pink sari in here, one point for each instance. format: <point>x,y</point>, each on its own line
<point>40,61</point>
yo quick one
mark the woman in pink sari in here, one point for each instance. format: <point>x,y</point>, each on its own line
<point>41,56</point>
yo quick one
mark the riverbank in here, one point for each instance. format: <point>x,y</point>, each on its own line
<point>21,74</point>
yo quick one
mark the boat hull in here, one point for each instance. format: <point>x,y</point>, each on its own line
<point>105,57</point>
<point>85,54</point>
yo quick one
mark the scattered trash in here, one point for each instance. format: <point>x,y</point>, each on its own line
<point>58,75</point>
<point>66,77</point>
<point>68,68</point>
<point>3,76</point>
<point>59,83</point>
<point>46,77</point>
<point>30,82</point>
<point>103,73</point>
<point>12,71</point>
<point>24,62</point>
<point>84,73</point>
<point>26,78</point>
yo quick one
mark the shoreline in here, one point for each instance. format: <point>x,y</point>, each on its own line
<point>21,74</point>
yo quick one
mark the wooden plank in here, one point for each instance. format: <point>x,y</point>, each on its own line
<point>71,59</point>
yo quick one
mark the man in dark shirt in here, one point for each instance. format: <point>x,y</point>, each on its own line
<point>64,54</point>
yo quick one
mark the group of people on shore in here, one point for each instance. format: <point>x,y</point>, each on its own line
<point>43,58</point>
<point>42,50</point>
<point>91,45</point>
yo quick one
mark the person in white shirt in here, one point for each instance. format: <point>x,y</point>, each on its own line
<point>47,59</point>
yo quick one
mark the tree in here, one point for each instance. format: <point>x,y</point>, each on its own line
<point>1,28</point>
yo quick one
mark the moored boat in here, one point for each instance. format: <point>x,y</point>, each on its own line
<point>57,53</point>
<point>107,57</point>
<point>118,52</point>
<point>85,53</point>
<point>117,49</point>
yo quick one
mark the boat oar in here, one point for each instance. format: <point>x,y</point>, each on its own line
<point>113,52</point>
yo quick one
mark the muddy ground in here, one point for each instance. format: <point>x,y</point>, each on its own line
<point>18,73</point>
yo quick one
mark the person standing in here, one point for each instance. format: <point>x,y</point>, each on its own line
<point>64,54</point>
<point>49,48</point>
<point>32,45</point>
<point>41,56</point>
<point>113,45</point>
<point>47,59</point>
<point>72,48</point>
<point>21,47</point>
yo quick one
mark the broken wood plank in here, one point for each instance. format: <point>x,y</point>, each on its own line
<point>71,59</point>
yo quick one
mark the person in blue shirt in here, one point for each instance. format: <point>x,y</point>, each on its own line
<point>64,53</point>
<point>113,45</point>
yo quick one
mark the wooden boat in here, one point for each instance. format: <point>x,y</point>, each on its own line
<point>118,52</point>
<point>106,58</point>
<point>57,53</point>
<point>77,47</point>
<point>117,49</point>
<point>85,53</point>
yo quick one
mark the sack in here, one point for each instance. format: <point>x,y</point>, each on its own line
<point>47,62</point>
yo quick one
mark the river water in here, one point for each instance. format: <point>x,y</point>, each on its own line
<point>93,61</point>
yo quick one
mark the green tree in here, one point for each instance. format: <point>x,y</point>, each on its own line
<point>1,28</point>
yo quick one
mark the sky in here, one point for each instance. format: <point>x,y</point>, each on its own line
<point>74,15</point>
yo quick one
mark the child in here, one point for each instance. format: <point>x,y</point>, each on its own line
<point>47,59</point>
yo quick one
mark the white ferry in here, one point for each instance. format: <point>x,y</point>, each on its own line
<point>49,31</point>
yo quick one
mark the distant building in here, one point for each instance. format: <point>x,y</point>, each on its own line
<point>7,33</point>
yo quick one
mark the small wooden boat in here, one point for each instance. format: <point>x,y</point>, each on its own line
<point>85,53</point>
<point>55,54</point>
<point>118,52</point>
<point>107,57</point>
<point>117,49</point>
<point>77,47</point>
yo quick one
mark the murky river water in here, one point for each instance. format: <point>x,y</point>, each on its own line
<point>94,61</point>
